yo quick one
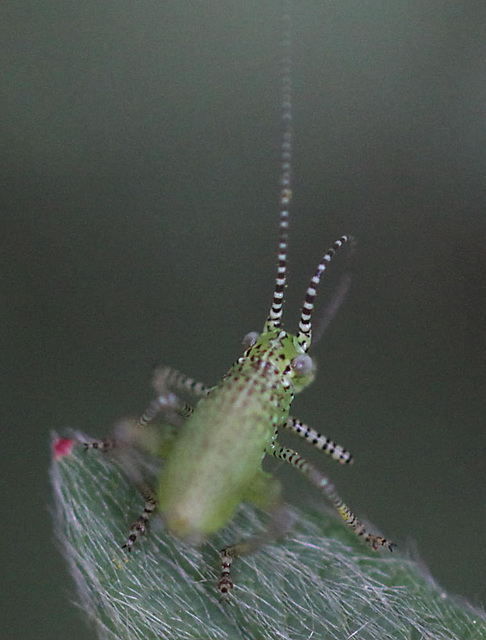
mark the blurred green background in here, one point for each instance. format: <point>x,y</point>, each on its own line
<point>139,188</point>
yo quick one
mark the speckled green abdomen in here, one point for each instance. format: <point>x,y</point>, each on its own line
<point>218,455</point>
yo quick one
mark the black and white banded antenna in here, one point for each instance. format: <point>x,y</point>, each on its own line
<point>274,319</point>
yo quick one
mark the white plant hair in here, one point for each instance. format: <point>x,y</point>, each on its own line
<point>319,582</point>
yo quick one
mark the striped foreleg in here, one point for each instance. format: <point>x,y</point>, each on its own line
<point>317,440</point>
<point>105,445</point>
<point>324,485</point>
<point>166,378</point>
<point>164,403</point>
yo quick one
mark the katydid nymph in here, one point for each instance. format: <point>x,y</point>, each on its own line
<point>213,457</point>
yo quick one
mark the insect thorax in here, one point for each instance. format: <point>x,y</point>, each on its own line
<point>270,361</point>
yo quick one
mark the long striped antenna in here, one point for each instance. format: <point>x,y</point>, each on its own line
<point>304,336</point>
<point>333,304</point>
<point>274,319</point>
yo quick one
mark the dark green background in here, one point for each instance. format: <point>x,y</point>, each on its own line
<point>139,189</point>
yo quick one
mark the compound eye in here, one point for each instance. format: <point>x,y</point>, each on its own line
<point>302,364</point>
<point>250,339</point>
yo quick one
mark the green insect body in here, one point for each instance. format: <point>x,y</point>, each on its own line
<point>212,458</point>
<point>216,461</point>
<point>213,451</point>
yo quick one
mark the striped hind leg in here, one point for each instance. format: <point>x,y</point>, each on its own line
<point>131,471</point>
<point>280,522</point>
<point>265,493</point>
<point>139,527</point>
<point>324,485</point>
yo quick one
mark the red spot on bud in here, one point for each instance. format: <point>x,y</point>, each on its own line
<point>62,447</point>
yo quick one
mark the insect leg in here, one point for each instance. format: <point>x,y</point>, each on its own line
<point>323,483</point>
<point>123,453</point>
<point>123,436</point>
<point>139,527</point>
<point>167,403</point>
<point>317,440</point>
<point>279,524</point>
<point>125,431</point>
<point>167,378</point>
<point>105,445</point>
